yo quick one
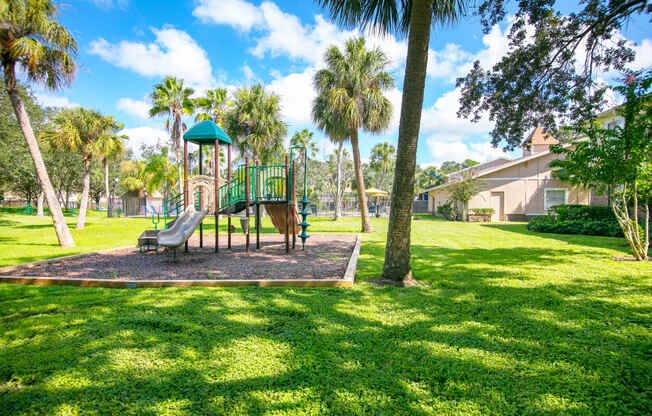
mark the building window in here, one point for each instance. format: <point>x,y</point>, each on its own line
<point>554,196</point>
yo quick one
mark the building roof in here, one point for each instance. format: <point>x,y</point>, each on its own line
<point>539,137</point>
<point>206,132</point>
<point>501,167</point>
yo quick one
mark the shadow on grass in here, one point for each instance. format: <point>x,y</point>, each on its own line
<point>466,344</point>
<point>614,243</point>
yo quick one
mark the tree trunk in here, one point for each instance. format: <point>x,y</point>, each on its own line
<point>397,249</point>
<point>60,226</point>
<point>338,181</point>
<point>39,204</point>
<point>106,186</point>
<point>83,205</point>
<point>359,180</point>
<point>177,148</point>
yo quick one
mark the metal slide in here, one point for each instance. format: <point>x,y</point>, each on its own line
<point>182,229</point>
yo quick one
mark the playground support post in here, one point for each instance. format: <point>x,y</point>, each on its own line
<point>287,205</point>
<point>228,191</point>
<point>201,224</point>
<point>185,181</point>
<point>257,226</point>
<point>294,217</point>
<point>216,176</point>
<point>247,202</point>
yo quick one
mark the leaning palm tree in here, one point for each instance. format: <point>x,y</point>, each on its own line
<point>352,85</point>
<point>172,100</point>
<point>412,18</point>
<point>32,40</point>
<point>333,125</point>
<point>109,145</point>
<point>255,123</point>
<point>213,106</point>
<point>80,130</point>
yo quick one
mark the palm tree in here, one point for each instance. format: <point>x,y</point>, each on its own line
<point>81,130</point>
<point>333,125</point>
<point>31,39</point>
<point>414,19</point>
<point>382,159</point>
<point>159,173</point>
<point>213,107</point>
<point>172,100</point>
<point>352,85</point>
<point>255,123</point>
<point>108,146</point>
<point>304,138</point>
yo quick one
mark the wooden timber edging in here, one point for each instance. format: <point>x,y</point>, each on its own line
<point>346,281</point>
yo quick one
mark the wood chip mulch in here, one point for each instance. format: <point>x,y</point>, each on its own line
<point>325,257</point>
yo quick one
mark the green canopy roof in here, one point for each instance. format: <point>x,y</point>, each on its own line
<point>206,132</point>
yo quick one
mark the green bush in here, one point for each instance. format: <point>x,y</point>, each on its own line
<point>483,211</point>
<point>447,211</point>
<point>571,212</point>
<point>551,224</point>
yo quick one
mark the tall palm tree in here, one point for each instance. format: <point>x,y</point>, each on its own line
<point>412,18</point>
<point>255,123</point>
<point>352,85</point>
<point>108,146</point>
<point>331,122</point>
<point>31,39</point>
<point>213,106</point>
<point>172,100</point>
<point>80,130</point>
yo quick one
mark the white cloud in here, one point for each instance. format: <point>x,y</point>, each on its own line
<point>145,135</point>
<point>457,150</point>
<point>236,13</point>
<point>248,74</point>
<point>442,118</point>
<point>48,100</point>
<point>297,94</point>
<point>173,53</point>
<point>138,108</point>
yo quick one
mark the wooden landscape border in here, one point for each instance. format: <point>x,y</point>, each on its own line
<point>347,280</point>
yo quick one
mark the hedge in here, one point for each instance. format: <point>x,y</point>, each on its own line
<point>549,224</point>
<point>571,212</point>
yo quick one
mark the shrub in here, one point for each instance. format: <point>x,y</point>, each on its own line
<point>483,211</point>
<point>571,212</point>
<point>551,224</point>
<point>447,211</point>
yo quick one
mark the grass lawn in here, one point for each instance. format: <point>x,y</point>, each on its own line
<point>510,323</point>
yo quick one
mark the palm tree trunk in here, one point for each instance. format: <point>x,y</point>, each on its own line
<point>105,161</point>
<point>359,180</point>
<point>83,205</point>
<point>39,204</point>
<point>338,181</point>
<point>397,250</point>
<point>60,226</point>
<point>176,139</point>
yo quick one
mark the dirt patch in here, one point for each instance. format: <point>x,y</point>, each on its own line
<point>325,257</point>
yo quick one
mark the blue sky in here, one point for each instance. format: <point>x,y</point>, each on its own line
<point>126,46</point>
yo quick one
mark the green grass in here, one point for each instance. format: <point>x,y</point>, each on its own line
<point>510,323</point>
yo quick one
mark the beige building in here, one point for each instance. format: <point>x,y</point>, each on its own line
<point>522,188</point>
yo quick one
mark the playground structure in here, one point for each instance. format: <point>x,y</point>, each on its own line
<point>250,186</point>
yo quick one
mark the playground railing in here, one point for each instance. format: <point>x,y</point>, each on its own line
<point>266,183</point>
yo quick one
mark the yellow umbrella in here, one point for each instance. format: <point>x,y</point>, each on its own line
<point>376,192</point>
